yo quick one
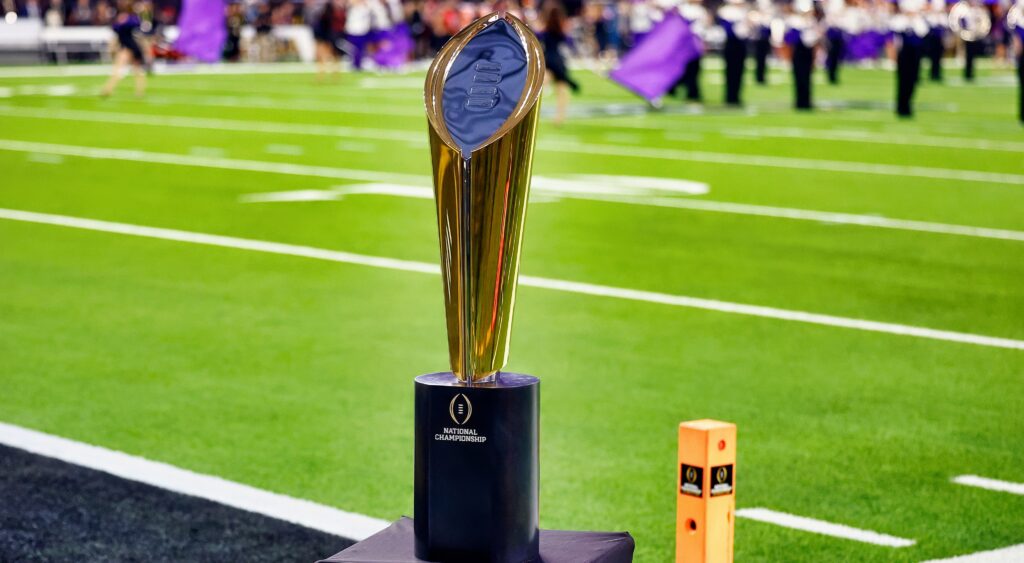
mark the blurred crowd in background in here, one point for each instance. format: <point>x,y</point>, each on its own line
<point>593,28</point>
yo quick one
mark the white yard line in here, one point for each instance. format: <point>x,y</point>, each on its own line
<point>414,180</point>
<point>549,145</point>
<point>216,124</point>
<point>302,512</point>
<point>822,216</point>
<point>787,162</point>
<point>180,70</point>
<point>877,137</point>
<point>211,162</point>
<point>821,527</point>
<point>283,149</point>
<point>1012,554</point>
<point>322,92</point>
<point>990,484</point>
<point>303,105</point>
<point>529,281</point>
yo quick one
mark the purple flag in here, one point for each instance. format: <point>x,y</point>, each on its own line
<point>655,65</point>
<point>201,30</point>
<point>395,47</point>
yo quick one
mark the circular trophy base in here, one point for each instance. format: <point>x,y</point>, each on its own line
<point>477,469</point>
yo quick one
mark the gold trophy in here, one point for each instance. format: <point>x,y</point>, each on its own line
<point>482,134</point>
<point>477,428</point>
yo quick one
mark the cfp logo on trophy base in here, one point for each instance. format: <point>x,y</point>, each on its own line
<point>460,409</point>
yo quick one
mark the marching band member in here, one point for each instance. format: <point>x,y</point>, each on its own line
<point>380,21</point>
<point>855,24</point>
<point>835,39</point>
<point>802,36</point>
<point>761,30</point>
<point>909,28</point>
<point>641,20</point>
<point>934,44</point>
<point>1015,22</point>
<point>879,32</point>
<point>696,15</point>
<point>358,29</point>
<point>732,16</point>
<point>971,22</point>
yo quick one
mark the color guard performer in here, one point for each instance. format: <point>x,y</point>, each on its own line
<point>129,52</point>
<point>732,16</point>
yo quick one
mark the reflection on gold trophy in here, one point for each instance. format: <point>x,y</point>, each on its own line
<point>481,188</point>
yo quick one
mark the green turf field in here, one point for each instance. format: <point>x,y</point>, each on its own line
<point>295,375</point>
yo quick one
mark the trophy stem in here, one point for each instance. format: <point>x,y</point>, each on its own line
<point>468,278</point>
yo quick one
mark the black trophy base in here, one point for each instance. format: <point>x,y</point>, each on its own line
<point>477,472</point>
<point>395,545</point>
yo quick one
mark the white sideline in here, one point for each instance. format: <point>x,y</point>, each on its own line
<point>990,484</point>
<point>1012,554</point>
<point>414,180</point>
<point>655,153</point>
<point>303,512</point>
<point>821,527</point>
<point>530,281</point>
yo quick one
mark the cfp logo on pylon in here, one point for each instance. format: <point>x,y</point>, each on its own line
<point>460,409</point>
